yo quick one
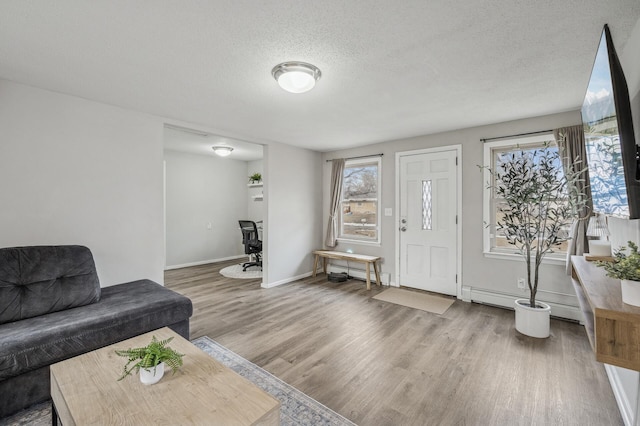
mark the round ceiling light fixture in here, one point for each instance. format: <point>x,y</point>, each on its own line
<point>296,77</point>
<point>222,150</point>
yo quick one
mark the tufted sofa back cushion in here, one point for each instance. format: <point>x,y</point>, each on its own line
<point>41,279</point>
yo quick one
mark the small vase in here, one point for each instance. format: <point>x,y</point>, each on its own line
<point>533,322</point>
<point>152,375</point>
<point>630,292</point>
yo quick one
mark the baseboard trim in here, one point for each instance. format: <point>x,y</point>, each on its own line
<point>204,262</point>
<point>285,281</point>
<point>624,405</point>
<point>507,300</point>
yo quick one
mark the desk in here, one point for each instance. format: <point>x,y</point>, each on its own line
<point>85,390</point>
<point>362,258</point>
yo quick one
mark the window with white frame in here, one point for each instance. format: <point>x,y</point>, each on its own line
<point>359,206</point>
<point>494,153</point>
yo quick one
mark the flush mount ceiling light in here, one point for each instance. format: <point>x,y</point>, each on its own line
<point>296,77</point>
<point>222,150</point>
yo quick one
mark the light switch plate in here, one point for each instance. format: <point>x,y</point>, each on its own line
<point>388,211</point>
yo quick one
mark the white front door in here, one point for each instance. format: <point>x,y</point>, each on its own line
<point>427,221</point>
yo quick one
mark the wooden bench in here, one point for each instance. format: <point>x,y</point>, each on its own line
<point>367,260</point>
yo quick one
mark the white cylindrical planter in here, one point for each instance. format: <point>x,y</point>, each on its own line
<point>152,375</point>
<point>630,292</point>
<point>530,321</point>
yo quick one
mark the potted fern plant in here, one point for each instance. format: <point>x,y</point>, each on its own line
<point>255,178</point>
<point>150,360</point>
<point>626,268</point>
<point>534,214</point>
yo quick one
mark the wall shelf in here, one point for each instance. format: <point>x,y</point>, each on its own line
<point>254,185</point>
<point>613,327</point>
<point>257,197</point>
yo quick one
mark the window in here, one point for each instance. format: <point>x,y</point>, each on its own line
<point>359,207</point>
<point>495,152</point>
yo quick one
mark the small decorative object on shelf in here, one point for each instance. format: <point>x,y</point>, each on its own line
<point>626,268</point>
<point>599,246</point>
<point>150,360</point>
<point>255,178</point>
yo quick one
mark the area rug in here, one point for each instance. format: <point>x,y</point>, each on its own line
<point>235,271</point>
<point>296,408</point>
<point>416,300</point>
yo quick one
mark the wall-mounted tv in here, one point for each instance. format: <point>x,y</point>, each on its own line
<point>612,153</point>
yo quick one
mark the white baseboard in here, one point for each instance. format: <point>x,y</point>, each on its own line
<point>285,281</point>
<point>360,273</point>
<point>204,262</point>
<point>471,294</point>
<point>626,407</point>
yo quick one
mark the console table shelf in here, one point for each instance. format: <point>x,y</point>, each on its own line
<point>613,327</point>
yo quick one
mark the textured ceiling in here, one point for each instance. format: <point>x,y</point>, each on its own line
<point>202,143</point>
<point>389,69</point>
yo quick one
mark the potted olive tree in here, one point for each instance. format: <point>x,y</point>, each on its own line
<point>537,204</point>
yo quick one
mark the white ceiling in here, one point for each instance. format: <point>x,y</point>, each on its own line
<point>390,69</point>
<point>202,143</point>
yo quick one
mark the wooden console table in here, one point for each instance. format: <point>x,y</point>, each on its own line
<point>330,254</point>
<point>613,327</point>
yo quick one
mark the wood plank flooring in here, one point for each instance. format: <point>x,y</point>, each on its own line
<point>377,363</point>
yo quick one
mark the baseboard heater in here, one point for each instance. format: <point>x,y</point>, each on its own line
<point>505,301</point>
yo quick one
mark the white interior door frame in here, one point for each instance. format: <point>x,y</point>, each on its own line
<point>458,150</point>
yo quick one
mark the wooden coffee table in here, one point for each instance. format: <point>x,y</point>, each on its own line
<point>85,391</point>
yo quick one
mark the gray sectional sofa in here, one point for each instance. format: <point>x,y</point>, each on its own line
<point>52,308</point>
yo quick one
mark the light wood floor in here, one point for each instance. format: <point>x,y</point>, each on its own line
<point>377,363</point>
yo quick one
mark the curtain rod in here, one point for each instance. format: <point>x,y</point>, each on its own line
<point>515,136</point>
<point>356,158</point>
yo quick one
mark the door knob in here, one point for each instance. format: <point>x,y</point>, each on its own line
<point>404,220</point>
<point>404,228</point>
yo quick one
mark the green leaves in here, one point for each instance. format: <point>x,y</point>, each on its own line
<point>624,267</point>
<point>150,356</point>
<point>537,204</point>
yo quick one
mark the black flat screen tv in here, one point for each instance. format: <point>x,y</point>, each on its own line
<point>612,153</point>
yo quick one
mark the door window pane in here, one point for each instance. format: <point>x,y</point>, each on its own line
<point>426,205</point>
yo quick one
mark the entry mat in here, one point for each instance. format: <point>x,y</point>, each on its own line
<point>416,300</point>
<point>296,408</point>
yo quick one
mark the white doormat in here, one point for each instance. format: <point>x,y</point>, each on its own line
<point>235,271</point>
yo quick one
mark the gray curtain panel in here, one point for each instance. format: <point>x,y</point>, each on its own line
<point>337,171</point>
<point>573,151</point>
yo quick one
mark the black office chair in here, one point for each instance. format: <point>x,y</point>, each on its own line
<point>252,243</point>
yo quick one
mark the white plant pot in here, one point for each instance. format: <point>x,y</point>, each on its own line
<point>630,292</point>
<point>533,322</point>
<point>152,375</point>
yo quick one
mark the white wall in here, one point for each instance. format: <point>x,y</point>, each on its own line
<point>255,208</point>
<point>73,171</point>
<point>205,197</point>
<point>478,272</point>
<point>293,202</point>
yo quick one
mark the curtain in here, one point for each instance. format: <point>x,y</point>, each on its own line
<point>337,171</point>
<point>573,152</point>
